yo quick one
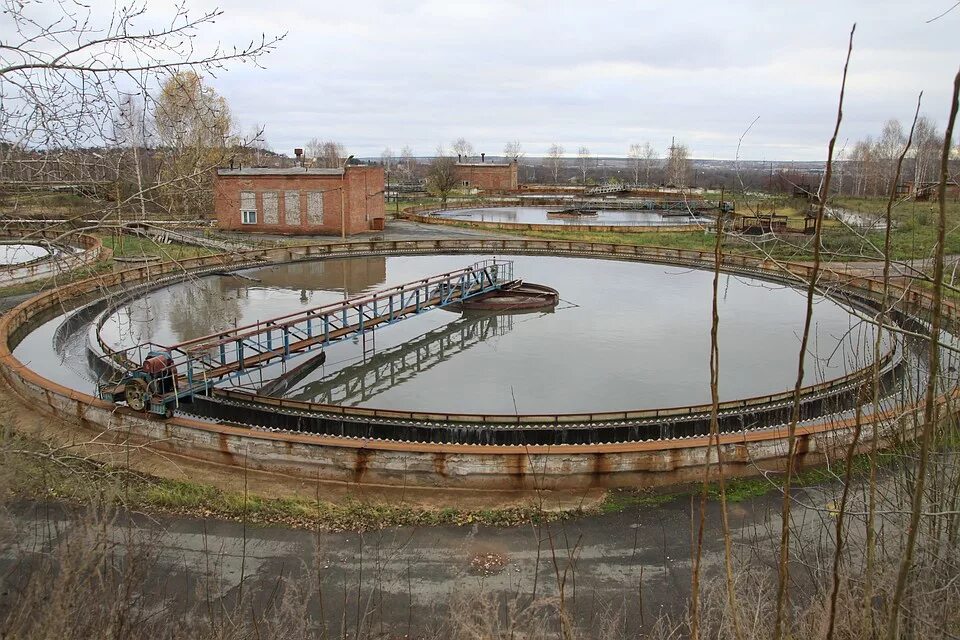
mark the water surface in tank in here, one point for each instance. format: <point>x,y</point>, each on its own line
<point>626,335</point>
<point>18,253</point>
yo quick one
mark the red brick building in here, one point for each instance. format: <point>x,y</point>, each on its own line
<point>300,200</point>
<point>488,176</point>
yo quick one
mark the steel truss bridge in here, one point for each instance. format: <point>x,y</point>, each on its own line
<point>205,362</point>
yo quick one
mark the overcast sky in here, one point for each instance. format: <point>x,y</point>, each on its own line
<point>602,74</point>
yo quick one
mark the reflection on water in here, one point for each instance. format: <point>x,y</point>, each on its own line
<point>196,308</point>
<point>357,383</point>
<point>217,303</point>
<point>11,254</point>
<point>538,215</point>
<point>625,335</point>
<point>351,276</point>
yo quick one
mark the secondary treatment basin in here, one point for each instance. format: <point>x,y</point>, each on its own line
<point>628,339</point>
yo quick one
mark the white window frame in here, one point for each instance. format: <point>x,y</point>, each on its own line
<point>466,183</point>
<point>248,216</point>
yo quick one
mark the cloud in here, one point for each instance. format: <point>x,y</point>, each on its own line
<point>602,74</point>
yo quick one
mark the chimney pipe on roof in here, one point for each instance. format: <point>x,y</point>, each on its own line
<point>482,157</point>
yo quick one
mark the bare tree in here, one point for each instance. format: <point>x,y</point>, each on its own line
<point>678,165</point>
<point>386,158</point>
<point>513,150</point>
<point>133,131</point>
<point>861,159</point>
<point>650,157</point>
<point>442,178</point>
<point>67,71</point>
<point>888,148</point>
<point>583,159</point>
<point>325,153</point>
<point>407,162</point>
<point>635,154</point>
<point>555,159</point>
<point>257,144</point>
<point>928,143</point>
<point>642,157</point>
<point>462,148</point>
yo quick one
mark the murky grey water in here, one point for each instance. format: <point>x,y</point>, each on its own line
<point>627,335</point>
<point>538,215</point>
<point>13,254</point>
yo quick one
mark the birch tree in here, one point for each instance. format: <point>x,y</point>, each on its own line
<point>678,165</point>
<point>407,162</point>
<point>193,125</point>
<point>555,160</point>
<point>386,158</point>
<point>583,161</point>
<point>635,155</point>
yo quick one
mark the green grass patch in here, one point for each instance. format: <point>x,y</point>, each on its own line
<point>741,489</point>
<point>617,500</point>
<point>132,246</point>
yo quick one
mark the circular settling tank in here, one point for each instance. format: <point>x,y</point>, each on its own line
<point>625,335</point>
<point>538,215</point>
<point>12,254</point>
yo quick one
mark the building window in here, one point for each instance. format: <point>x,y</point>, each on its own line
<point>248,207</point>
<point>466,183</point>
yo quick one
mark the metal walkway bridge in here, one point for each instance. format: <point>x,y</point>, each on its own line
<point>606,188</point>
<point>196,366</point>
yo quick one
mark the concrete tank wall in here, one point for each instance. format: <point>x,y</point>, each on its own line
<point>91,251</point>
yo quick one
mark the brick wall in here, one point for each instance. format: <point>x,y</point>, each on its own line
<point>488,176</point>
<point>300,203</point>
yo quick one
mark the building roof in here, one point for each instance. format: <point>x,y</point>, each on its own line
<point>484,164</point>
<point>272,171</point>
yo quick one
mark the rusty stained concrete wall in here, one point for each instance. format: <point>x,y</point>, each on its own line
<point>311,458</point>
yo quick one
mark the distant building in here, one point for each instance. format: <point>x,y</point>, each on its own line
<point>300,200</point>
<point>488,176</point>
<point>928,190</point>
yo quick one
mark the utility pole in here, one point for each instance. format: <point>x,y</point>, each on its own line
<point>343,197</point>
